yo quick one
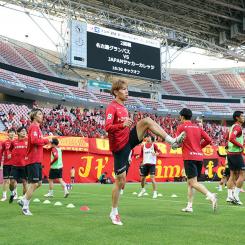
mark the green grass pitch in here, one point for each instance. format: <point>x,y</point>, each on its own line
<point>146,220</point>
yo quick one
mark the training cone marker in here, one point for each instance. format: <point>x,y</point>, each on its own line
<point>58,204</point>
<point>146,194</point>
<point>70,206</point>
<point>174,195</point>
<point>159,195</point>
<point>46,202</point>
<point>134,193</point>
<point>84,208</point>
<point>36,200</point>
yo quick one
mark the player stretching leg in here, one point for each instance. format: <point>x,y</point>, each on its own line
<point>122,140</point>
<point>194,141</point>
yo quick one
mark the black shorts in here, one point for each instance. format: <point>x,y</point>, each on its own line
<point>236,162</point>
<point>147,169</point>
<point>55,173</point>
<point>7,171</point>
<point>34,172</point>
<point>121,158</point>
<point>192,168</point>
<point>18,173</point>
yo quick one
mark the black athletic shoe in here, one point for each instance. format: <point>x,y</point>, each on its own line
<point>11,199</point>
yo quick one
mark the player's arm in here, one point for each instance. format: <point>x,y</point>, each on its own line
<point>110,114</point>
<point>35,140</point>
<point>109,126</point>
<point>156,149</point>
<point>236,130</point>
<point>206,139</point>
<point>55,156</point>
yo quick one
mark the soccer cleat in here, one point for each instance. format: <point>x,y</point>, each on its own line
<point>142,192</point>
<point>121,192</point>
<point>48,195</point>
<point>214,201</point>
<point>66,194</point>
<point>20,203</point>
<point>236,201</point>
<point>3,199</point>
<point>187,209</point>
<point>229,200</point>
<point>11,198</point>
<point>15,197</point>
<point>26,212</point>
<point>154,195</point>
<point>115,219</point>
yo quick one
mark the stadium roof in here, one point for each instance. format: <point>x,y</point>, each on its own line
<point>214,25</point>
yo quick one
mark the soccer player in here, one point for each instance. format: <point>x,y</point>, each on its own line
<point>149,152</point>
<point>56,168</point>
<point>7,162</point>
<point>34,158</point>
<point>235,158</point>
<point>18,171</point>
<point>194,141</point>
<point>122,140</point>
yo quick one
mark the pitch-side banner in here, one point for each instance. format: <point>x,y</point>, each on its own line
<point>89,166</point>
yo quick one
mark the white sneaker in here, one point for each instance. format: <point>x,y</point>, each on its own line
<point>237,200</point>
<point>121,192</point>
<point>3,199</point>
<point>154,195</point>
<point>26,212</point>
<point>229,199</point>
<point>15,197</point>
<point>48,195</point>
<point>187,209</point>
<point>142,192</point>
<point>214,201</point>
<point>115,219</point>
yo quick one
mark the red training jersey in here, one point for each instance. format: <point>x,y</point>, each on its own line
<point>116,115</point>
<point>35,145</point>
<point>1,152</point>
<point>19,148</point>
<point>196,139</point>
<point>6,151</point>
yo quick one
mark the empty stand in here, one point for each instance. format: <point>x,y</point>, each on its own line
<point>207,85</point>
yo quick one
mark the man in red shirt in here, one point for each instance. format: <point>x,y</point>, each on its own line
<point>34,158</point>
<point>7,162</point>
<point>122,140</point>
<point>235,158</point>
<point>194,141</point>
<point>149,153</point>
<point>18,171</point>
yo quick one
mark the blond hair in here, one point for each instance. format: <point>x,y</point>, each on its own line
<point>33,113</point>
<point>117,85</point>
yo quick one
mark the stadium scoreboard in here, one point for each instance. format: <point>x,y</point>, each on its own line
<point>113,51</point>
